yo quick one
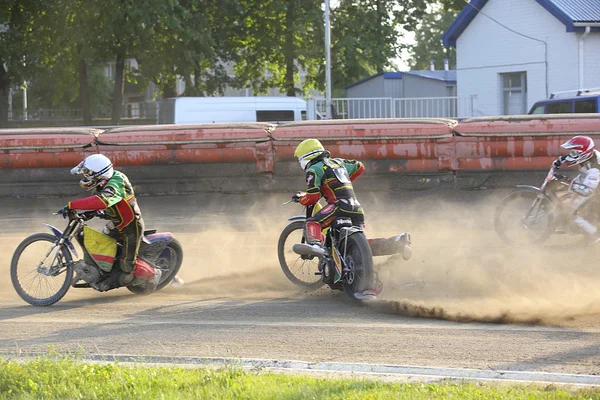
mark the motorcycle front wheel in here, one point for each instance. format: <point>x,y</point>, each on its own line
<point>300,270</point>
<point>40,271</point>
<point>359,261</point>
<point>525,218</point>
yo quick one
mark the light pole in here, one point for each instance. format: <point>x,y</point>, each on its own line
<point>25,101</point>
<point>327,62</point>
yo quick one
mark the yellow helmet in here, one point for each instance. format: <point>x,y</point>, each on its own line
<point>308,150</point>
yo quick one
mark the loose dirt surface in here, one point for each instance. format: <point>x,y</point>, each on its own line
<point>463,300</point>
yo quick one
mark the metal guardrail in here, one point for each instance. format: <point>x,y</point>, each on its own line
<point>387,107</point>
<point>133,110</point>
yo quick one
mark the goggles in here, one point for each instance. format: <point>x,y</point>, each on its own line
<point>574,153</point>
<point>308,157</point>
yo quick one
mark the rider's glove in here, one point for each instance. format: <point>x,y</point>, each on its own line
<point>296,198</point>
<point>560,177</point>
<point>64,211</point>
<point>558,162</point>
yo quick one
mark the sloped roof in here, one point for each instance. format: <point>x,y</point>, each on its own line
<point>386,75</point>
<point>569,12</point>
<point>447,76</point>
<point>578,10</point>
<point>441,75</point>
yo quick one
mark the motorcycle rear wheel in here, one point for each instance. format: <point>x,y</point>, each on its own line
<point>169,262</point>
<point>359,261</point>
<point>300,271</point>
<point>524,218</point>
<point>33,286</point>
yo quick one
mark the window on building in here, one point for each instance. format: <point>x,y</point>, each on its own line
<point>586,106</point>
<point>274,116</point>
<point>514,93</point>
<point>560,107</point>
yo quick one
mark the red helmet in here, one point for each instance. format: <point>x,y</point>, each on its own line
<point>581,149</point>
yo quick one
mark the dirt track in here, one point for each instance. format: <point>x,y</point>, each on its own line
<point>464,300</point>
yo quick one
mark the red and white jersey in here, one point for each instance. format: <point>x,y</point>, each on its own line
<point>586,183</point>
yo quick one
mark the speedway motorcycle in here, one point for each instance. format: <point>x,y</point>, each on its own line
<point>45,266</point>
<point>531,215</point>
<point>345,262</point>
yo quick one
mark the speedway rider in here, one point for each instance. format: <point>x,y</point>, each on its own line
<point>332,178</point>
<point>582,152</point>
<point>113,193</point>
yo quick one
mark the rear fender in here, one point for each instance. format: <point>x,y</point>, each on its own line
<point>297,218</point>
<point>58,233</point>
<point>153,245</point>
<point>350,230</point>
<point>536,190</point>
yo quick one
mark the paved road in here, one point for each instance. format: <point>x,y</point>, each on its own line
<point>463,301</point>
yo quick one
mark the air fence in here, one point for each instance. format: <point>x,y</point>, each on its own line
<point>399,154</point>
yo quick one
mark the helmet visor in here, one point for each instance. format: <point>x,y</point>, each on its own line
<point>303,163</point>
<point>574,153</point>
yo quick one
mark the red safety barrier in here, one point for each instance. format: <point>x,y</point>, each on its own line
<point>518,142</point>
<point>189,144</point>
<point>46,147</point>
<point>394,145</point>
<point>413,144</point>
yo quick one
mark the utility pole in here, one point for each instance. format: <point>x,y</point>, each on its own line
<point>327,62</point>
<point>10,107</point>
<point>24,101</point>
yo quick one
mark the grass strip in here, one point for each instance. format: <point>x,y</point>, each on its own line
<point>44,378</point>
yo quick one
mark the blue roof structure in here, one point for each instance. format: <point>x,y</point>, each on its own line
<point>447,76</point>
<point>386,75</point>
<point>442,75</point>
<point>569,12</point>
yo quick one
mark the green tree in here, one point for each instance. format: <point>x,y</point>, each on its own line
<point>366,35</point>
<point>428,37</point>
<point>20,49</point>
<point>72,27</point>
<point>453,6</point>
<point>121,31</point>
<point>46,44</point>
<point>276,40</point>
<point>191,39</point>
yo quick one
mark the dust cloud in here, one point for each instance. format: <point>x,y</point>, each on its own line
<point>460,270</point>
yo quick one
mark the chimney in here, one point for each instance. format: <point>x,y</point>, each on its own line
<point>432,65</point>
<point>446,64</point>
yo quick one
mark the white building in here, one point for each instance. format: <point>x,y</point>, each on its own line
<point>511,53</point>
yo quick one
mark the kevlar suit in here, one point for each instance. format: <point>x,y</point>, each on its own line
<point>332,178</point>
<point>116,197</point>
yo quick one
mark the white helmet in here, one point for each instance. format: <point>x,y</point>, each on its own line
<point>95,169</point>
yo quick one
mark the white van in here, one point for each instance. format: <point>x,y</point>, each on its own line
<point>197,110</point>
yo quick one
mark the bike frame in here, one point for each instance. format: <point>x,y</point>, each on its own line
<point>65,238</point>
<point>336,255</point>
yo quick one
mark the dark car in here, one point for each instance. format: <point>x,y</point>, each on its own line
<point>584,102</point>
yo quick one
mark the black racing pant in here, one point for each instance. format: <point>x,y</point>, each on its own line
<point>350,208</point>
<point>130,239</point>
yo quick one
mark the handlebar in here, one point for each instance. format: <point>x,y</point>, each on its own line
<point>83,215</point>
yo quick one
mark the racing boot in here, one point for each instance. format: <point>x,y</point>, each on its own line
<point>370,294</point>
<point>314,241</point>
<point>116,279</point>
<point>177,282</point>
<point>399,244</point>
<point>146,275</point>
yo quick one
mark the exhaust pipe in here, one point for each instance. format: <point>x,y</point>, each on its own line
<point>304,249</point>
